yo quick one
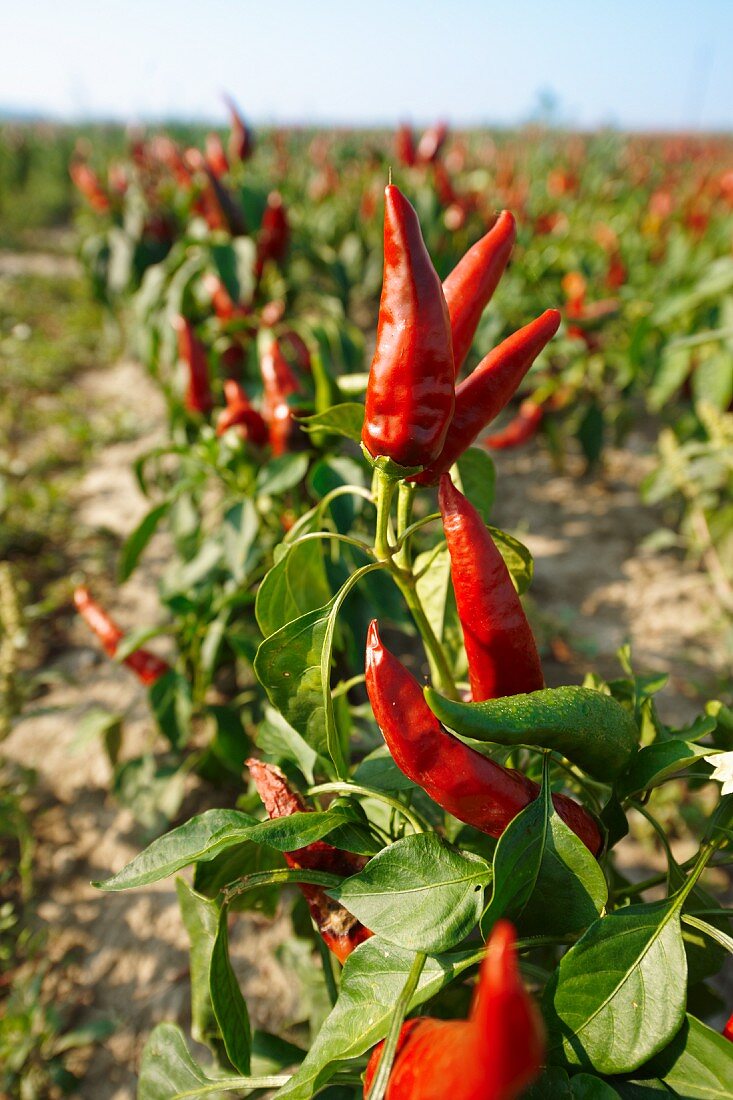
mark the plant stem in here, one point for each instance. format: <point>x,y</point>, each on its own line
<point>385,493</point>
<point>433,648</point>
<point>381,1079</point>
<point>355,788</point>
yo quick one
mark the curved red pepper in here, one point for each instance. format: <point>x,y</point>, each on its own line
<point>482,396</point>
<point>472,282</point>
<point>198,398</point>
<point>410,394</point>
<point>340,931</point>
<point>521,429</point>
<point>502,655</point>
<point>466,784</point>
<point>493,1055</point>
<point>274,235</point>
<point>279,384</point>
<point>239,413</point>
<point>147,667</point>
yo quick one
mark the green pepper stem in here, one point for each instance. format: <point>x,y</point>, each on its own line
<point>381,1078</point>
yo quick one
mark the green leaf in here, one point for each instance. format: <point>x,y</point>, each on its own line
<point>545,879</point>
<point>136,542</point>
<point>618,996</point>
<point>239,531</point>
<point>590,433</point>
<point>477,477</point>
<point>585,1087</point>
<point>167,1068</point>
<point>244,859</point>
<point>371,982</point>
<point>209,834</point>
<point>435,591</point>
<point>554,1084</point>
<point>288,665</point>
<point>295,585</point>
<point>346,419</point>
<point>281,474</point>
<point>697,1065</point>
<point>201,921</point>
<point>418,893</point>
<point>171,704</point>
<point>655,763</point>
<point>276,738</point>
<point>227,1000</point>
<point>517,558</point>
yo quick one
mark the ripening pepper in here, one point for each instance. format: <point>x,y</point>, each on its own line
<point>464,782</point>
<point>198,398</point>
<point>482,396</point>
<point>410,394</point>
<point>239,413</point>
<point>241,138</point>
<point>493,1055</point>
<point>340,931</point>
<point>87,183</point>
<point>274,235</point>
<point>405,146</point>
<point>501,651</point>
<point>472,282</point>
<point>523,427</point>
<point>279,383</point>
<point>147,667</point>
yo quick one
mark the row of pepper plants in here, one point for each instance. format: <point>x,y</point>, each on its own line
<point>467,828</point>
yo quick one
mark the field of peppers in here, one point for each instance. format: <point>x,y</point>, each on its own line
<point>350,730</point>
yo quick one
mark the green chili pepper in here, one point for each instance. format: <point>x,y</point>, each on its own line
<point>589,728</point>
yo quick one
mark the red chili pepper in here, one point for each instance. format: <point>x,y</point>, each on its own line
<point>274,235</point>
<point>521,429</point>
<point>472,282</point>
<point>405,146</point>
<point>147,667</point>
<point>198,397</point>
<point>410,395</point>
<point>501,651</point>
<point>493,1055</point>
<point>239,413</point>
<point>466,784</point>
<point>241,138</point>
<point>340,931</point>
<point>482,396</point>
<point>87,183</point>
<point>224,305</point>
<point>216,158</point>
<point>431,143</point>
<point>728,1029</point>
<point>279,384</point>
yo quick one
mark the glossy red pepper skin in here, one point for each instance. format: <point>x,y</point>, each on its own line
<point>340,931</point>
<point>520,430</point>
<point>501,650</point>
<point>482,396</point>
<point>466,784</point>
<point>410,394</point>
<point>147,667</point>
<point>198,397</point>
<point>274,235</point>
<point>493,1055</point>
<point>728,1029</point>
<point>472,282</point>
<point>279,384</point>
<point>239,413</point>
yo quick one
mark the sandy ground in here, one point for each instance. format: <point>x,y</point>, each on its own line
<point>129,951</point>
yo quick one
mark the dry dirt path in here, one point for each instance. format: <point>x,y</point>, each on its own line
<point>130,951</point>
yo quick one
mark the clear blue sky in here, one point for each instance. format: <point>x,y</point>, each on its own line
<point>635,63</point>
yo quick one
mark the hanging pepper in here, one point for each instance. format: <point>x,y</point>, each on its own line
<point>466,784</point>
<point>198,398</point>
<point>405,146</point>
<point>410,394</point>
<point>501,651</point>
<point>147,667</point>
<point>493,1055</point>
<point>239,413</point>
<point>216,158</point>
<point>225,308</point>
<point>472,282</point>
<point>340,931</point>
<point>274,235</point>
<point>87,182</point>
<point>482,396</point>
<point>728,1029</point>
<point>279,384</point>
<point>241,138</point>
<point>520,430</point>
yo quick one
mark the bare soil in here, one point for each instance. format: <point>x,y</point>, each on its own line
<point>594,589</point>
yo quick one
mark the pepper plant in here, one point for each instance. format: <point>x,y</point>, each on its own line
<point>419,824</point>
